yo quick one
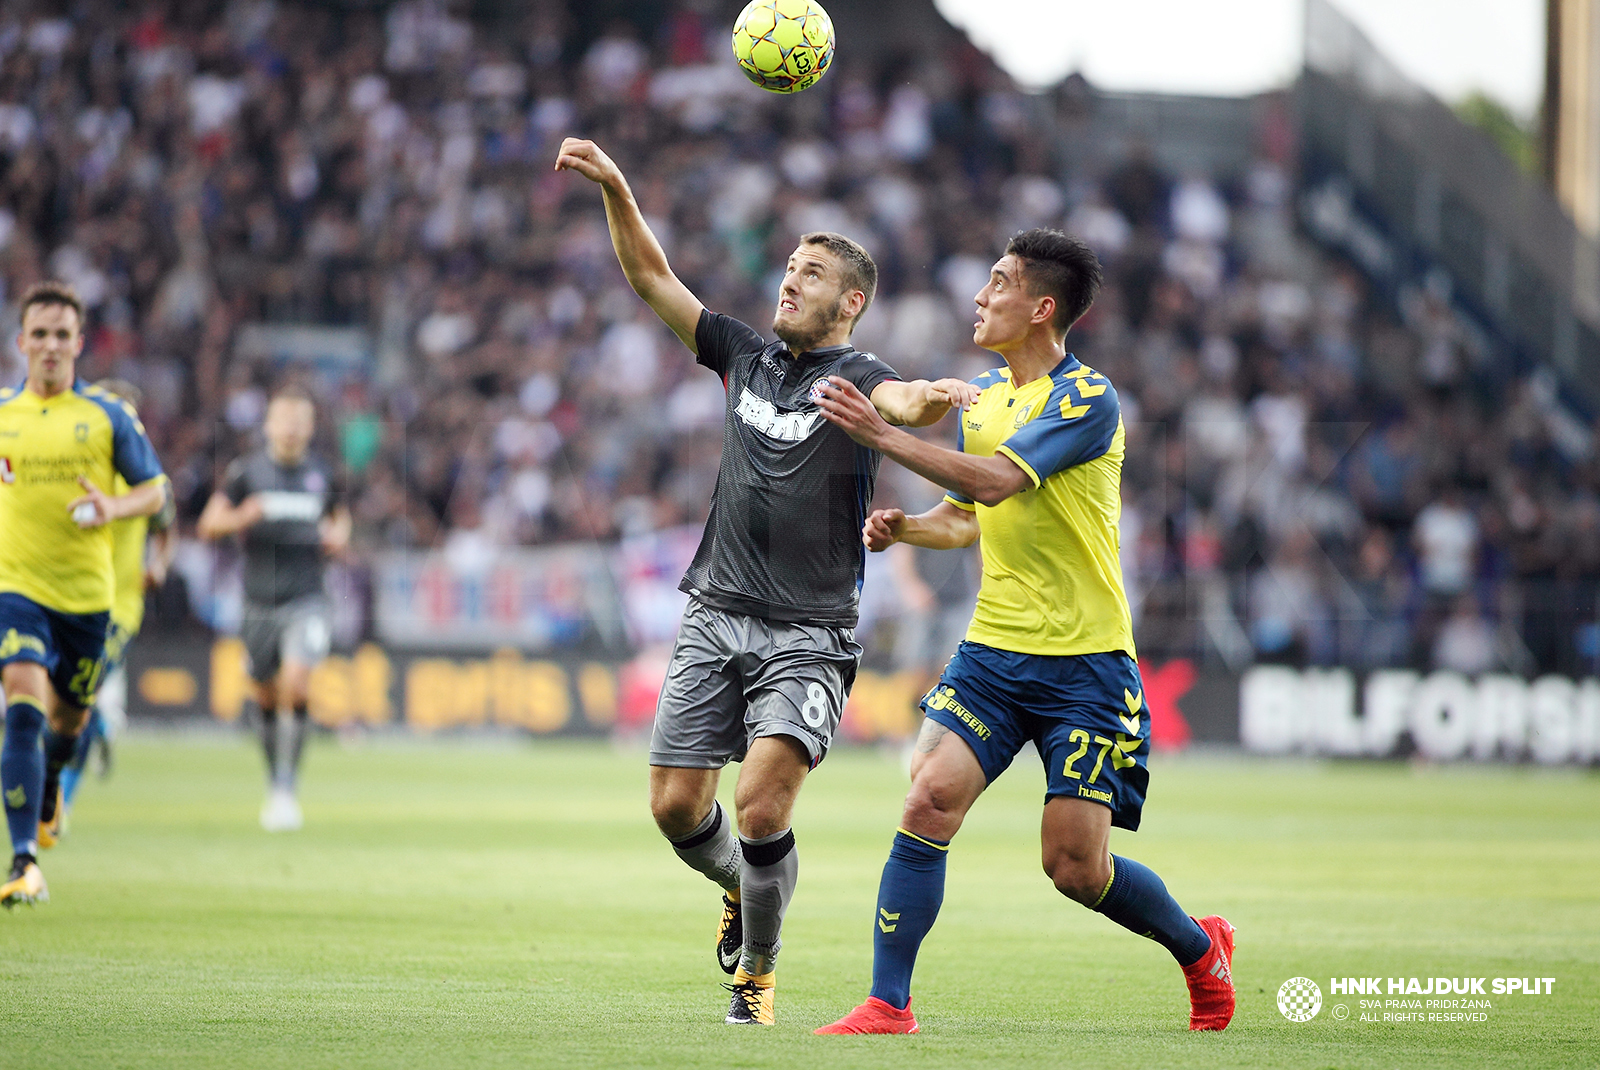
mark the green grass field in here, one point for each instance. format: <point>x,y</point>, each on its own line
<point>509,904</point>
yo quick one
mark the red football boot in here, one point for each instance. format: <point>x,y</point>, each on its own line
<point>1211,979</point>
<point>874,1016</point>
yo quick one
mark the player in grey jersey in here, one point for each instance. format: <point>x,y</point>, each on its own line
<point>286,506</point>
<point>765,656</point>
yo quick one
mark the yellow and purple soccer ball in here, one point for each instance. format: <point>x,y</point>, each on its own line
<point>783,45</point>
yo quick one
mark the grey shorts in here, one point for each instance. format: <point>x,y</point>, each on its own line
<point>734,679</point>
<point>301,630</point>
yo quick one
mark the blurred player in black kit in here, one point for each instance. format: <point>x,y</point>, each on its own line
<point>287,506</point>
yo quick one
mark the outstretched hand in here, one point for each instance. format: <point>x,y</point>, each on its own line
<point>92,510</point>
<point>589,160</point>
<point>953,393</point>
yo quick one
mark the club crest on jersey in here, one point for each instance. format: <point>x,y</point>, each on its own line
<point>81,432</point>
<point>760,414</point>
<point>816,389</point>
<point>7,473</point>
<point>1022,417</point>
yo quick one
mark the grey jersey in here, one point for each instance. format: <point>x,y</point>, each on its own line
<point>283,552</point>
<point>783,541</point>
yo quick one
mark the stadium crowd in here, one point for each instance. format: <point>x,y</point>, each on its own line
<point>1314,476</point>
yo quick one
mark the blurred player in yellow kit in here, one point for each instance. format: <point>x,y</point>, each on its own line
<point>62,444</point>
<point>141,553</point>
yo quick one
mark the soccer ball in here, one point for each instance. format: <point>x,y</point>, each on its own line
<point>783,45</point>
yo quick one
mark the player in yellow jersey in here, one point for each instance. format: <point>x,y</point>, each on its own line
<point>141,553</point>
<point>62,443</point>
<point>1049,657</point>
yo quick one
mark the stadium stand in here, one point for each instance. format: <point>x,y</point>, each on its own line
<point>1324,467</point>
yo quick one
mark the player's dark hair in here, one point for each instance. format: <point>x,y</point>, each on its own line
<point>860,273</point>
<point>1060,266</point>
<point>51,292</point>
<point>124,390</point>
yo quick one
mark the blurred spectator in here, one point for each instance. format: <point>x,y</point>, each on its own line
<point>1375,630</point>
<point>1285,607</point>
<point>1446,538</point>
<point>199,169</point>
<point>1465,643</point>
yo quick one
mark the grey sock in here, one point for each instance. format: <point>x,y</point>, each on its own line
<point>297,742</point>
<point>712,848</point>
<point>269,744</point>
<point>767,877</point>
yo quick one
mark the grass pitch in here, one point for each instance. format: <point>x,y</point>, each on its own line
<point>478,904</point>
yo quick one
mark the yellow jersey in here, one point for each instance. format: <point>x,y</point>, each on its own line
<point>127,565</point>
<point>1052,573</point>
<point>45,445</point>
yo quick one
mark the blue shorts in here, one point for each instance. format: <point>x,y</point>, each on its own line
<point>117,640</point>
<point>1084,712</point>
<point>71,646</point>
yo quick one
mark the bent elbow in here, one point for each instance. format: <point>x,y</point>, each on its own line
<point>992,493</point>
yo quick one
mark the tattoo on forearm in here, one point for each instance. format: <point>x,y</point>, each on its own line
<point>932,732</point>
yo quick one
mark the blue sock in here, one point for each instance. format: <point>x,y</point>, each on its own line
<point>1136,899</point>
<point>909,896</point>
<point>22,773</point>
<point>73,773</point>
<point>58,752</point>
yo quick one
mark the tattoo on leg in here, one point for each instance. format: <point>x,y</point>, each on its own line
<point>932,732</point>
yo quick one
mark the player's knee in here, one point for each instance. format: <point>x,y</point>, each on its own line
<point>932,809</point>
<point>675,815</point>
<point>763,815</point>
<point>68,720</point>
<point>25,678</point>
<point>1080,879</point>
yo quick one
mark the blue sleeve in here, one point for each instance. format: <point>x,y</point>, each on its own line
<point>955,497</point>
<point>1077,425</point>
<point>131,452</point>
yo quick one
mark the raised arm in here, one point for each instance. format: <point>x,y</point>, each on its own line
<point>988,480</point>
<point>641,256</point>
<point>919,402</point>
